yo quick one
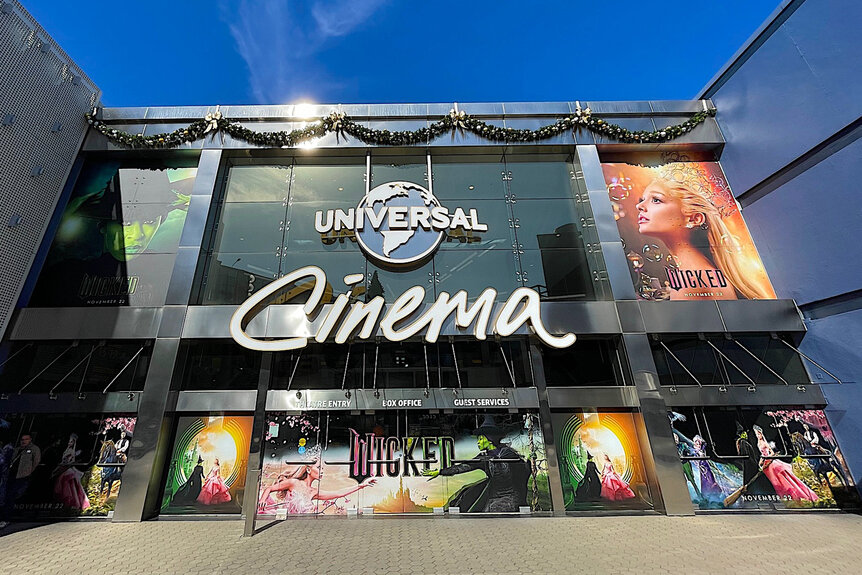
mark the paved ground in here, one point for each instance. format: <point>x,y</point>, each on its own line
<point>762,544</point>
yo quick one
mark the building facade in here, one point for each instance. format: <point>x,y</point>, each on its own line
<point>455,325</point>
<point>792,124</point>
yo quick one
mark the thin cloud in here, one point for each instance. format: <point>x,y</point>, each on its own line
<point>278,40</point>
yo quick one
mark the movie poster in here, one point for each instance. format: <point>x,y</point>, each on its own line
<point>208,465</point>
<point>117,239</point>
<point>395,463</point>
<point>683,233</point>
<point>61,465</point>
<point>760,458</point>
<point>600,461</point>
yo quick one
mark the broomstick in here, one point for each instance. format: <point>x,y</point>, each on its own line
<point>733,497</point>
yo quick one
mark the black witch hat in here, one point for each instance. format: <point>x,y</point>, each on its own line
<point>491,430</point>
<point>200,459</point>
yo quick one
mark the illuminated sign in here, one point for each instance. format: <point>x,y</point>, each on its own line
<point>398,222</point>
<point>396,321</point>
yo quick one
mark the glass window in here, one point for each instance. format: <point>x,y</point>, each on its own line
<point>475,270</point>
<point>559,274</point>
<point>335,266</point>
<point>258,184</point>
<point>231,278</point>
<point>410,168</point>
<point>218,365</point>
<point>391,284</point>
<point>543,179</point>
<point>493,213</point>
<point>301,234</point>
<point>344,184</point>
<point>590,362</point>
<point>459,179</point>
<point>82,368</point>
<point>552,223</point>
<point>250,227</point>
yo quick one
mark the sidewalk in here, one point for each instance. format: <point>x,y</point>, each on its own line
<point>787,543</point>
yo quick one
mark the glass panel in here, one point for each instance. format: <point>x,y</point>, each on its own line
<point>466,182</point>
<point>551,223</point>
<point>302,236</point>
<point>391,284</point>
<point>321,366</point>
<point>232,278</point>
<point>588,362</point>
<point>219,365</point>
<point>86,367</point>
<point>532,179</point>
<point>411,168</point>
<point>335,265</point>
<point>559,274</point>
<point>344,184</point>
<point>258,184</point>
<point>250,227</point>
<point>475,270</point>
<point>494,214</point>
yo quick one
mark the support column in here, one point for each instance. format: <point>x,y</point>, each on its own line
<point>256,447</point>
<point>661,458</point>
<point>142,475</point>
<point>555,483</point>
<point>149,451</point>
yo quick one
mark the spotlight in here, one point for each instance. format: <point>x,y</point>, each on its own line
<point>427,392</point>
<point>752,388</point>
<point>674,390</point>
<point>347,394</point>
<point>298,394</point>
<point>376,394</point>
<point>722,388</point>
<point>4,396</point>
<point>455,392</point>
<point>82,396</point>
<point>799,388</point>
<point>52,396</point>
<point>131,396</point>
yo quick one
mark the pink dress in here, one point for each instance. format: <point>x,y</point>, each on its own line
<point>214,490</point>
<point>614,487</point>
<point>69,491</point>
<point>780,474</point>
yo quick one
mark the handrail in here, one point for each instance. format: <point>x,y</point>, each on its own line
<point>137,353</point>
<point>44,369</point>
<point>797,350</point>
<point>763,363</point>
<point>690,374</point>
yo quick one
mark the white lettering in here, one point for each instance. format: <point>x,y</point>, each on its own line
<point>420,216</point>
<point>319,225</point>
<point>474,220</point>
<point>459,220</point>
<point>344,220</point>
<point>398,217</point>
<point>375,219</point>
<point>521,308</point>
<point>439,218</point>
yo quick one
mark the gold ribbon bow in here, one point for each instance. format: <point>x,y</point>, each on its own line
<point>336,120</point>
<point>459,119</point>
<point>212,121</point>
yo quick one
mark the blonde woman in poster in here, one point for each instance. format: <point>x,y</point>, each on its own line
<point>779,473</point>
<point>67,488</point>
<point>300,485</point>
<point>214,490</point>
<point>614,487</point>
<point>701,249</point>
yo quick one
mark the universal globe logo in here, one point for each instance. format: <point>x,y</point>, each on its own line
<point>398,222</point>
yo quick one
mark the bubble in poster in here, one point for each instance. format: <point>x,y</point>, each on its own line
<point>117,238</point>
<point>683,233</point>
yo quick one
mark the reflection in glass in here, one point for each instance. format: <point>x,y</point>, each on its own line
<point>232,278</point>
<point>468,181</point>
<point>558,274</point>
<point>476,270</point>
<point>258,184</point>
<point>344,184</point>
<point>250,227</point>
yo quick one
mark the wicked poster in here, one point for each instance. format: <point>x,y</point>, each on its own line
<point>208,465</point>
<point>117,239</point>
<point>395,463</point>
<point>761,458</point>
<point>61,465</point>
<point>600,461</point>
<point>683,233</point>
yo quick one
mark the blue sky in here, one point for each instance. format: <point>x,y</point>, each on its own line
<point>187,52</point>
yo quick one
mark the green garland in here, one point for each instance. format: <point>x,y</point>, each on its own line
<point>340,124</point>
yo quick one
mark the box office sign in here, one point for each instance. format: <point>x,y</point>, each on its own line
<point>407,399</point>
